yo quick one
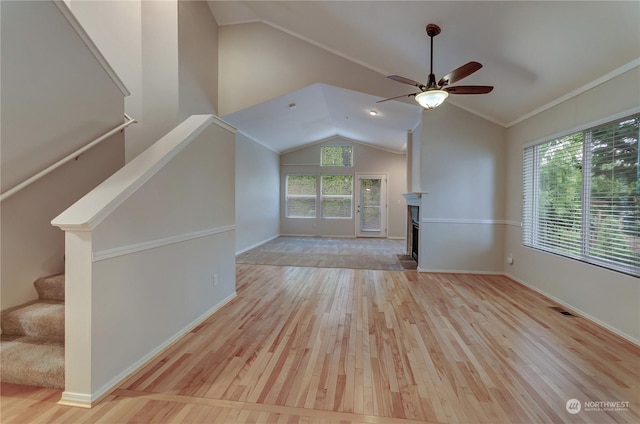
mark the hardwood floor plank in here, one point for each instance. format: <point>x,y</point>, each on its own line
<point>312,345</point>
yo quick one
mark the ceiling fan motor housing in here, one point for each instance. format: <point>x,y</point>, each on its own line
<point>433,30</point>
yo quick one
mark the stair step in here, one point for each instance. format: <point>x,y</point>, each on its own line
<point>32,361</point>
<point>40,318</point>
<point>51,287</point>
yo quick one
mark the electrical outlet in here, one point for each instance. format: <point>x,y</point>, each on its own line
<point>215,279</point>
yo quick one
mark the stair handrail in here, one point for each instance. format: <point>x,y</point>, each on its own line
<point>58,164</point>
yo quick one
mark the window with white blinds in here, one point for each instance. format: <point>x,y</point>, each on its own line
<point>301,192</point>
<point>582,196</point>
<point>337,194</point>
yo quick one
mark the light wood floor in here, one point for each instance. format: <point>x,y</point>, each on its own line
<point>315,345</point>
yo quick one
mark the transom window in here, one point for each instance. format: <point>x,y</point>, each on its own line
<point>336,156</point>
<point>582,196</point>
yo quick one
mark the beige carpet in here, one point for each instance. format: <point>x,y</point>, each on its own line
<point>32,361</point>
<point>328,252</point>
<point>32,342</point>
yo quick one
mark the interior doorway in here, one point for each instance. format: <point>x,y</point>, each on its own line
<point>371,206</point>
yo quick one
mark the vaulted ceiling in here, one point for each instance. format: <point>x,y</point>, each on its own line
<point>534,53</point>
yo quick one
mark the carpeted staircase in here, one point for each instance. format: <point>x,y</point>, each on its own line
<point>32,345</point>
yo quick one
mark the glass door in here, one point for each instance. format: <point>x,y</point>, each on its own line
<point>372,205</point>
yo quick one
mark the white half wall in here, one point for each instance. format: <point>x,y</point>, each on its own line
<point>257,193</point>
<point>607,297</point>
<point>150,253</point>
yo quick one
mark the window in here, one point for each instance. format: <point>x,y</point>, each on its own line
<point>336,196</point>
<point>336,156</point>
<point>301,196</point>
<point>582,196</point>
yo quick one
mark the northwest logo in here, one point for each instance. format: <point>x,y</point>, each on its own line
<point>573,406</point>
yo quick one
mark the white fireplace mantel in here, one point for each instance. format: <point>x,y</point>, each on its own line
<point>414,198</point>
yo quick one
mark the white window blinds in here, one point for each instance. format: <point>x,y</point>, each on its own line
<point>581,196</point>
<point>301,196</point>
<point>337,193</point>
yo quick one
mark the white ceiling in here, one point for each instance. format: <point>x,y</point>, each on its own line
<point>321,111</point>
<point>534,54</point>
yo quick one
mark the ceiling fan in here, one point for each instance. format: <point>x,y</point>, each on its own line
<point>432,95</point>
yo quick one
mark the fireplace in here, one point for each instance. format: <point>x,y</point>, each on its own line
<point>413,232</point>
<point>413,224</point>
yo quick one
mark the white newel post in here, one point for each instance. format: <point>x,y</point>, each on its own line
<point>78,318</point>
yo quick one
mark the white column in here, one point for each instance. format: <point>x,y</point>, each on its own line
<point>78,319</point>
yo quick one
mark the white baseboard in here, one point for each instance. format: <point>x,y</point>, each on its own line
<point>459,271</point>
<point>577,310</point>
<point>257,244</point>
<point>88,400</point>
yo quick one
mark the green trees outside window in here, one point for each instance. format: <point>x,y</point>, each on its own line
<point>301,196</point>
<point>336,156</point>
<point>337,194</point>
<point>582,196</point>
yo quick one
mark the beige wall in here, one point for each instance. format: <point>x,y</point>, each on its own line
<point>198,59</point>
<point>166,54</point>
<point>366,159</point>
<point>608,297</point>
<point>43,61</point>
<point>258,63</point>
<point>257,193</point>
<point>463,175</point>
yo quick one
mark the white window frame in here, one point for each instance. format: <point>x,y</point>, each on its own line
<point>300,196</point>
<point>579,248</point>
<point>336,196</point>
<point>336,145</point>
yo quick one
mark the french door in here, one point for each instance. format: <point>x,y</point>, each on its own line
<point>371,206</point>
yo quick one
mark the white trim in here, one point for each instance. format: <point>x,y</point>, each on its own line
<point>468,221</point>
<point>611,75</point>
<point>584,127</point>
<point>577,310</point>
<point>318,236</point>
<point>153,244</point>
<point>474,112</point>
<point>341,138</point>
<point>78,400</point>
<point>458,271</point>
<point>63,7</point>
<point>258,142</point>
<point>87,401</point>
<point>260,243</point>
<point>223,124</point>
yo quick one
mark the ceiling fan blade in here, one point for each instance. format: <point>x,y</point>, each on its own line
<point>404,80</point>
<point>469,89</point>
<point>397,97</point>
<point>459,73</point>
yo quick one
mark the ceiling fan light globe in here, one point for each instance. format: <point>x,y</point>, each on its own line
<point>431,99</point>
